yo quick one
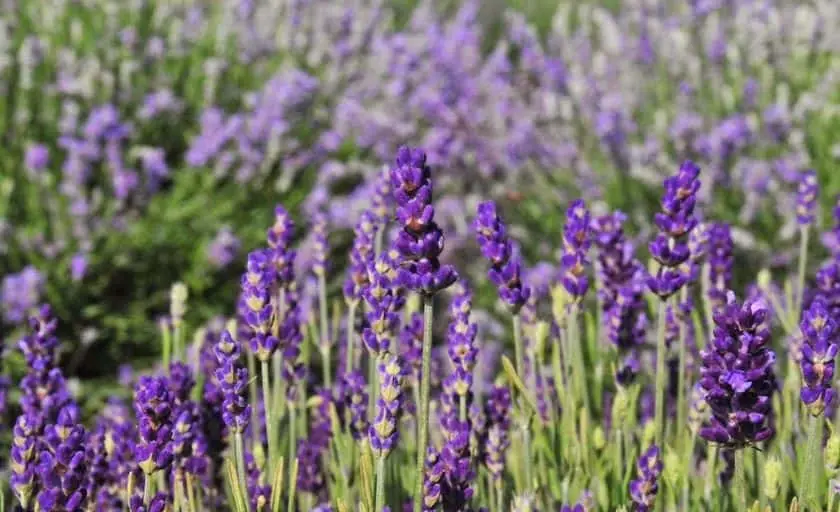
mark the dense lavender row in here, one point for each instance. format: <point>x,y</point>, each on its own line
<point>260,413</point>
<point>122,117</point>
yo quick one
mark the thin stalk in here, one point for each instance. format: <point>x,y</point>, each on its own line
<point>277,361</point>
<point>177,342</point>
<point>373,376</point>
<point>239,454</point>
<point>462,408</point>
<point>325,329</point>
<point>425,384</point>
<point>659,419</point>
<point>351,322</point>
<point>292,456</point>
<point>380,483</point>
<point>577,346</point>
<point>500,496</point>
<point>812,474</point>
<point>682,410</point>
<point>740,482</point>
<point>805,232</point>
<point>252,390</point>
<point>269,423</point>
<point>711,460</point>
<point>520,369</point>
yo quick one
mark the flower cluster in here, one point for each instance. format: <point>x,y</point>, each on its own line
<point>576,243</point>
<point>505,266</point>
<point>675,222</point>
<point>643,490</point>
<point>737,376</point>
<point>819,351</point>
<point>233,381</point>
<point>383,433</point>
<point>420,241</point>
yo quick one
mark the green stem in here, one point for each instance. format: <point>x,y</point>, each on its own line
<point>681,380</point>
<point>269,423</point>
<point>812,473</point>
<point>462,408</point>
<point>325,329</point>
<point>705,286</point>
<point>425,384</point>
<point>239,454</point>
<point>374,386</point>
<point>659,419</point>
<point>351,322</point>
<point>380,483</point>
<point>577,346</point>
<point>520,369</point>
<point>740,482</point>
<point>191,500</point>
<point>252,387</point>
<point>292,449</point>
<point>805,232</point>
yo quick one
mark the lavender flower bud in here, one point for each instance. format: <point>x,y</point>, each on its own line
<point>576,242</point>
<point>153,407</point>
<point>498,411</point>
<point>807,197</point>
<point>643,490</point>
<point>62,467</point>
<point>505,266</point>
<point>819,351</point>
<point>361,257</point>
<point>233,380</point>
<point>256,303</point>
<point>383,434</point>
<point>721,260</point>
<point>356,401</point>
<point>420,241</point>
<point>383,300</point>
<point>675,222</point>
<point>321,249</point>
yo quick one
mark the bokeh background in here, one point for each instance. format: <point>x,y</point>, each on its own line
<point>146,142</point>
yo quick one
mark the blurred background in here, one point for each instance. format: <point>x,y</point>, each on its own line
<point>146,142</point>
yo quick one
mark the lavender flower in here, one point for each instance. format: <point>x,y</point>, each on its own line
<point>505,267</point>
<point>498,411</point>
<point>721,260</point>
<point>23,460</point>
<point>356,402</point>
<point>831,239</point>
<point>20,293</point>
<point>233,380</point>
<point>224,248</point>
<point>737,376</point>
<point>616,265</point>
<point>361,257</point>
<point>37,158</point>
<point>431,480</point>
<point>626,327</point>
<point>258,493</point>
<point>819,351</point>
<point>321,249</point>
<point>675,222</point>
<point>384,301</point>
<point>153,407</point>
<point>312,450</point>
<point>257,283</point>
<point>62,467</point>
<point>643,490</point>
<point>279,241</point>
<point>383,433</point>
<point>576,242</point>
<point>806,198</point>
<point>420,241</point>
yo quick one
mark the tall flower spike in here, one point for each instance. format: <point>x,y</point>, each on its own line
<point>806,197</point>
<point>383,433</point>
<point>256,304</point>
<point>721,261</point>
<point>576,243</point>
<point>23,461</point>
<point>279,242</point>
<point>356,402</point>
<point>361,257</point>
<point>737,376</point>
<point>819,351</point>
<point>420,241</point>
<point>384,300</point>
<point>643,490</point>
<point>617,265</point>
<point>461,341</point>
<point>233,380</point>
<point>498,409</point>
<point>505,266</point>
<point>675,222</point>
<point>321,248</point>
<point>153,407</point>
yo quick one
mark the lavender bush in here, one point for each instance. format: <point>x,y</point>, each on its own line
<point>630,214</point>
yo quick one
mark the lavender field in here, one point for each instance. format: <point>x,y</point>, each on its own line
<point>419,255</point>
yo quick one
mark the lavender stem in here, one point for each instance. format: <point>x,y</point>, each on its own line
<point>740,482</point>
<point>520,369</point>
<point>659,418</point>
<point>292,441</point>
<point>423,406</point>
<point>351,321</point>
<point>805,232</point>
<point>380,482</point>
<point>269,423</point>
<point>325,334</point>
